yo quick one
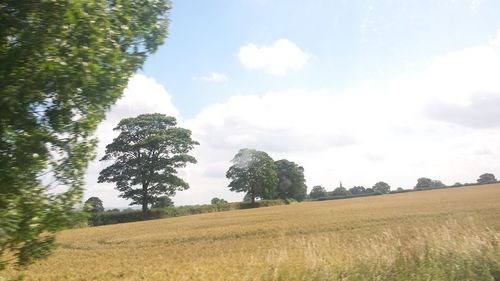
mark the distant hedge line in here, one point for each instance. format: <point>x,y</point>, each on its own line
<point>113,217</point>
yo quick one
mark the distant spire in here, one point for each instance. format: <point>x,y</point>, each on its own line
<point>340,183</point>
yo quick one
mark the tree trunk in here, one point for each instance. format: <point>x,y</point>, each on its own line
<point>252,192</point>
<point>144,201</point>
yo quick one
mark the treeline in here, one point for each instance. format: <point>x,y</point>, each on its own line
<point>98,216</point>
<point>320,193</point>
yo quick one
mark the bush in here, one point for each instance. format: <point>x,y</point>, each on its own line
<point>260,203</point>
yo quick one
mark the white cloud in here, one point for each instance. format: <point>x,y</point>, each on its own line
<point>495,41</point>
<point>395,130</point>
<point>215,77</point>
<point>280,58</point>
<point>380,132</point>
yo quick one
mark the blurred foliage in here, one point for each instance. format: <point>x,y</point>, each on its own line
<point>62,65</point>
<point>291,180</point>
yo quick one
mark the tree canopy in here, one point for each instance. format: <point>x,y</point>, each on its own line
<point>357,190</point>
<point>381,187</point>
<point>162,202</point>
<point>317,192</point>
<point>253,172</point>
<point>62,65</point>
<point>428,183</point>
<point>291,181</point>
<point>146,154</point>
<point>94,205</point>
<point>486,178</point>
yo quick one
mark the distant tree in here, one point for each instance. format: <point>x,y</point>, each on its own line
<point>291,180</point>
<point>428,183</point>
<point>147,153</point>
<point>341,191</point>
<point>423,183</point>
<point>317,192</point>
<point>399,189</point>
<point>486,178</point>
<point>253,172</point>
<point>93,205</point>
<point>214,200</point>
<point>357,190</point>
<point>369,190</point>
<point>437,183</point>
<point>381,187</point>
<point>162,202</point>
<point>457,184</point>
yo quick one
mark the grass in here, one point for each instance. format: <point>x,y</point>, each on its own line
<point>448,234</point>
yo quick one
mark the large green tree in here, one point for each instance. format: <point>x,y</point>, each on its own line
<point>62,65</point>
<point>291,181</point>
<point>146,154</point>
<point>253,172</point>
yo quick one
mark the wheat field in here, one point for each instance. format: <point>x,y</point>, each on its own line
<point>445,234</point>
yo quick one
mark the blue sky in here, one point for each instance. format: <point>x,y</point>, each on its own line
<point>354,91</point>
<point>351,42</point>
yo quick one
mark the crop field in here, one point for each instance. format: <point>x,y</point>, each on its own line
<point>444,234</point>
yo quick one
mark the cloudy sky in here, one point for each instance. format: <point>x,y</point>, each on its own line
<point>354,91</point>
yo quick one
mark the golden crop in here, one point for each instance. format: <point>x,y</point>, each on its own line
<point>445,234</point>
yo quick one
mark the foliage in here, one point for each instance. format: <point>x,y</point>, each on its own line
<point>291,181</point>
<point>381,187</point>
<point>221,204</point>
<point>162,202</point>
<point>357,190</point>
<point>253,172</point>
<point>428,183</point>
<point>93,205</point>
<point>317,192</point>
<point>261,203</point>
<point>147,153</point>
<point>62,65</point>
<point>341,191</point>
<point>486,178</point>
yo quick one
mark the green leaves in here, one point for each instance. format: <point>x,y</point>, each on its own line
<point>146,154</point>
<point>253,172</point>
<point>62,65</point>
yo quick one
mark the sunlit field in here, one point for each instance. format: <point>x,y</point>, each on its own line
<point>445,234</point>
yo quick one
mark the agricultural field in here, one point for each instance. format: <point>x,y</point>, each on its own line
<point>443,234</point>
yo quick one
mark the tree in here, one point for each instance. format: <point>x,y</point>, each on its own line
<point>93,205</point>
<point>423,183</point>
<point>162,202</point>
<point>486,178</point>
<point>317,192</point>
<point>291,181</point>
<point>428,183</point>
<point>381,187</point>
<point>399,189</point>
<point>253,172</point>
<point>62,65</point>
<point>214,201</point>
<point>146,154</point>
<point>357,190</point>
<point>341,191</point>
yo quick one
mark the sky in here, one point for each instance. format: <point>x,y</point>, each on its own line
<point>354,91</point>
